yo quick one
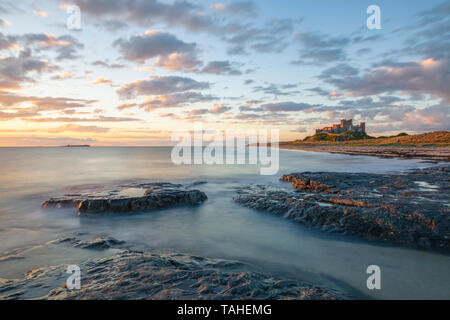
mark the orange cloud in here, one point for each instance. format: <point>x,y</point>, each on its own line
<point>101,80</point>
<point>77,128</point>
<point>65,75</point>
<point>218,6</point>
<point>42,14</point>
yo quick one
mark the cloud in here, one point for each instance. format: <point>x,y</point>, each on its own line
<point>197,112</point>
<point>219,108</point>
<point>62,76</point>
<point>150,45</point>
<point>101,80</point>
<point>25,107</point>
<point>288,106</point>
<point>15,70</point>
<point>221,67</point>
<point>267,119</point>
<point>105,64</point>
<point>113,25</point>
<point>70,119</point>
<point>175,100</point>
<point>273,37</point>
<point>160,85</point>
<point>178,61</point>
<point>432,118</point>
<point>7,42</point>
<point>3,22</point>
<point>339,70</point>
<point>171,52</point>
<point>77,128</point>
<point>417,77</point>
<point>40,13</point>
<point>125,106</point>
<point>6,116</point>
<point>218,7</point>
<point>7,7</point>
<point>164,92</point>
<point>66,46</point>
<point>320,91</point>
<point>428,34</point>
<point>147,13</point>
<point>300,129</point>
<point>277,89</point>
<point>436,14</point>
<point>319,48</point>
<point>240,8</point>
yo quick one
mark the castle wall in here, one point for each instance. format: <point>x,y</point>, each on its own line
<point>345,125</point>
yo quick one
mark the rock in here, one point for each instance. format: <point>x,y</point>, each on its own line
<point>152,275</point>
<point>116,199</point>
<point>371,206</point>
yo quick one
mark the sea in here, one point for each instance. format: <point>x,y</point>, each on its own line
<point>218,228</point>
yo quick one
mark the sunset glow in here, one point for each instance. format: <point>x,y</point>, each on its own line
<point>130,77</point>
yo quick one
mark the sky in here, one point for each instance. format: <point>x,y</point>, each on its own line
<point>136,70</point>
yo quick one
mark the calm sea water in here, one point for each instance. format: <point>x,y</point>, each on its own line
<point>218,228</point>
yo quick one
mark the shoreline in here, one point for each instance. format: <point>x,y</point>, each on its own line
<point>425,153</point>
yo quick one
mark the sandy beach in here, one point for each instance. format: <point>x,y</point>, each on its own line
<point>428,153</point>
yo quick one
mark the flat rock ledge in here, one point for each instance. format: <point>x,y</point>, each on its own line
<point>161,276</point>
<point>413,152</point>
<point>129,198</point>
<point>410,209</point>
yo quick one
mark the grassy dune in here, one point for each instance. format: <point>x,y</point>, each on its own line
<point>430,139</point>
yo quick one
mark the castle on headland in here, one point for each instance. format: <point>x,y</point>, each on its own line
<point>344,126</point>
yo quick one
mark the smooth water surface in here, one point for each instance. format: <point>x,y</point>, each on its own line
<point>217,228</point>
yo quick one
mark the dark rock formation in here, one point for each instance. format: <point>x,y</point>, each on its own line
<point>130,274</point>
<point>411,208</point>
<point>129,198</point>
<point>98,243</point>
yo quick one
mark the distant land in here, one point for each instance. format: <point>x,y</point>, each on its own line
<point>77,146</point>
<point>431,145</point>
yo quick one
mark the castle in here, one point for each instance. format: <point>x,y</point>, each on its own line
<point>344,126</point>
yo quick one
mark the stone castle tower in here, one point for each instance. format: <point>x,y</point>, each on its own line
<point>344,126</point>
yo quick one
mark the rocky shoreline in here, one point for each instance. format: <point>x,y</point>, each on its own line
<point>410,209</point>
<point>128,198</point>
<point>131,274</point>
<point>425,153</point>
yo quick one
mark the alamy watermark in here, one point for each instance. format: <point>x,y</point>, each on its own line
<point>74,280</point>
<point>230,147</point>
<point>374,280</point>
<point>73,22</point>
<point>374,20</point>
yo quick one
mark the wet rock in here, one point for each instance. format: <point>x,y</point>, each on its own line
<point>411,208</point>
<point>129,198</point>
<point>98,243</point>
<point>301,183</point>
<point>146,275</point>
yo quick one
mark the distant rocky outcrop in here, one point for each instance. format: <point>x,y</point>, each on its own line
<point>129,198</point>
<point>410,209</point>
<point>337,137</point>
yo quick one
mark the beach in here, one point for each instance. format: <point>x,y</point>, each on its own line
<point>416,152</point>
